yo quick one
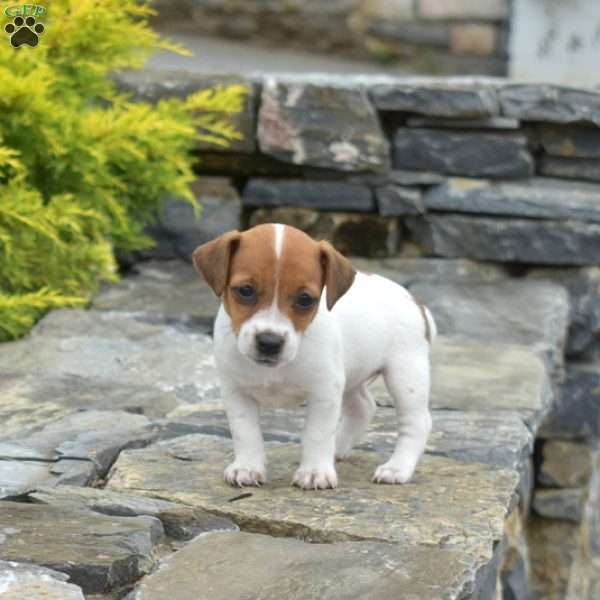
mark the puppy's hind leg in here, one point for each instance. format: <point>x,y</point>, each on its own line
<point>358,408</point>
<point>407,380</point>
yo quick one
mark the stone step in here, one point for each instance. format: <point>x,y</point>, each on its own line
<point>19,581</point>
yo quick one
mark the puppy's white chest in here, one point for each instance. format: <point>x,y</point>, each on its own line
<point>277,394</point>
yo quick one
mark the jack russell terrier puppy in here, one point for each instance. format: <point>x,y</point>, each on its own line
<point>298,322</point>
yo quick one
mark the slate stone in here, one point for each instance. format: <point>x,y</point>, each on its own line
<point>351,233</point>
<point>563,504</point>
<point>565,464</point>
<point>395,200</point>
<point>407,271</point>
<point>179,522</point>
<point>508,240</point>
<point>583,285</point>
<point>20,581</point>
<point>170,289</point>
<point>538,197</point>
<point>586,169</point>
<point>473,154</point>
<point>117,349</point>
<point>553,103</point>
<point>319,195</point>
<point>502,123</point>
<point>239,164</point>
<point>534,314</point>
<point>326,571</point>
<point>436,100</point>
<point>189,469</point>
<point>399,177</point>
<point>514,572</point>
<point>97,552</point>
<point>322,126</point>
<point>569,142</point>
<point>462,378</point>
<point>179,230</point>
<point>577,413</point>
<point>152,85</point>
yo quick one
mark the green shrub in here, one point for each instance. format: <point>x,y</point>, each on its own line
<point>82,169</point>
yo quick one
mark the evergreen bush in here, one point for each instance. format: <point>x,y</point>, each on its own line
<point>83,170</point>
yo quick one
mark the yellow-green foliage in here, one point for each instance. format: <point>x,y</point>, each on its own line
<point>83,169</point>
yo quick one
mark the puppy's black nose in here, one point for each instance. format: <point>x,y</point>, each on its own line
<point>269,344</point>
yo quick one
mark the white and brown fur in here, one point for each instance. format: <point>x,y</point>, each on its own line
<point>271,347</point>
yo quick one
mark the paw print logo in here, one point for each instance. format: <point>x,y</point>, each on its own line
<point>24,31</point>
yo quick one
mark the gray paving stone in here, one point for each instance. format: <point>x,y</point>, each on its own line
<point>534,198</point>
<point>325,571</point>
<point>508,240</point>
<point>97,552</point>
<point>534,314</point>
<point>20,581</point>
<point>553,103</point>
<point>321,126</point>
<point>586,169</point>
<point>474,154</point>
<point>320,195</point>
<point>436,100</point>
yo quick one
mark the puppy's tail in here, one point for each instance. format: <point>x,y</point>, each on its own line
<point>430,326</point>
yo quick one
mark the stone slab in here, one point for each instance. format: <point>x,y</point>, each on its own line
<point>569,142</point>
<point>500,123</point>
<point>97,552</point>
<point>189,469</point>
<point>565,464</point>
<point>117,348</point>
<point>396,200</point>
<point>180,522</point>
<point>325,571</point>
<point>577,412</point>
<point>319,195</point>
<point>399,177</point>
<point>508,240</point>
<point>538,197</point>
<point>534,314</point>
<point>562,504</point>
<point>20,581</point>
<point>330,127</point>
<point>464,9</point>
<point>170,289</point>
<point>586,169</point>
<point>552,103</point>
<point>152,85</point>
<point>436,100</point>
<point>179,230</point>
<point>474,154</point>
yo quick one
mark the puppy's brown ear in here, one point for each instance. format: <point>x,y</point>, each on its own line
<point>213,258</point>
<point>338,273</point>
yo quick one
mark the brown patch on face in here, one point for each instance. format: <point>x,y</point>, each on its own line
<point>253,264</point>
<point>300,273</point>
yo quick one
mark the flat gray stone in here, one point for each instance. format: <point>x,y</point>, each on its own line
<point>325,571</point>
<point>577,412</point>
<point>553,103</point>
<point>396,200</point>
<point>322,126</point>
<point>97,552</point>
<point>152,85</point>
<point>501,123</point>
<point>179,522</point>
<point>436,100</point>
<point>570,142</point>
<point>534,314</point>
<point>565,464</point>
<point>474,154</point>
<point>586,169</point>
<point>583,285</point>
<point>20,581</point>
<point>399,177</point>
<point>508,240</point>
<point>117,348</point>
<point>563,504</point>
<point>170,289</point>
<point>189,469</point>
<point>320,195</point>
<point>534,198</point>
<point>179,230</point>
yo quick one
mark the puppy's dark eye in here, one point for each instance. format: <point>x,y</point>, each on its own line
<point>303,301</point>
<point>246,293</point>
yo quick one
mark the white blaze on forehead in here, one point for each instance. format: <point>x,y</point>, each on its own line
<point>279,231</point>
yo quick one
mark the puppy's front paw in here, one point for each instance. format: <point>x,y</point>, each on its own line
<point>315,478</point>
<point>393,472</point>
<point>239,475</point>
